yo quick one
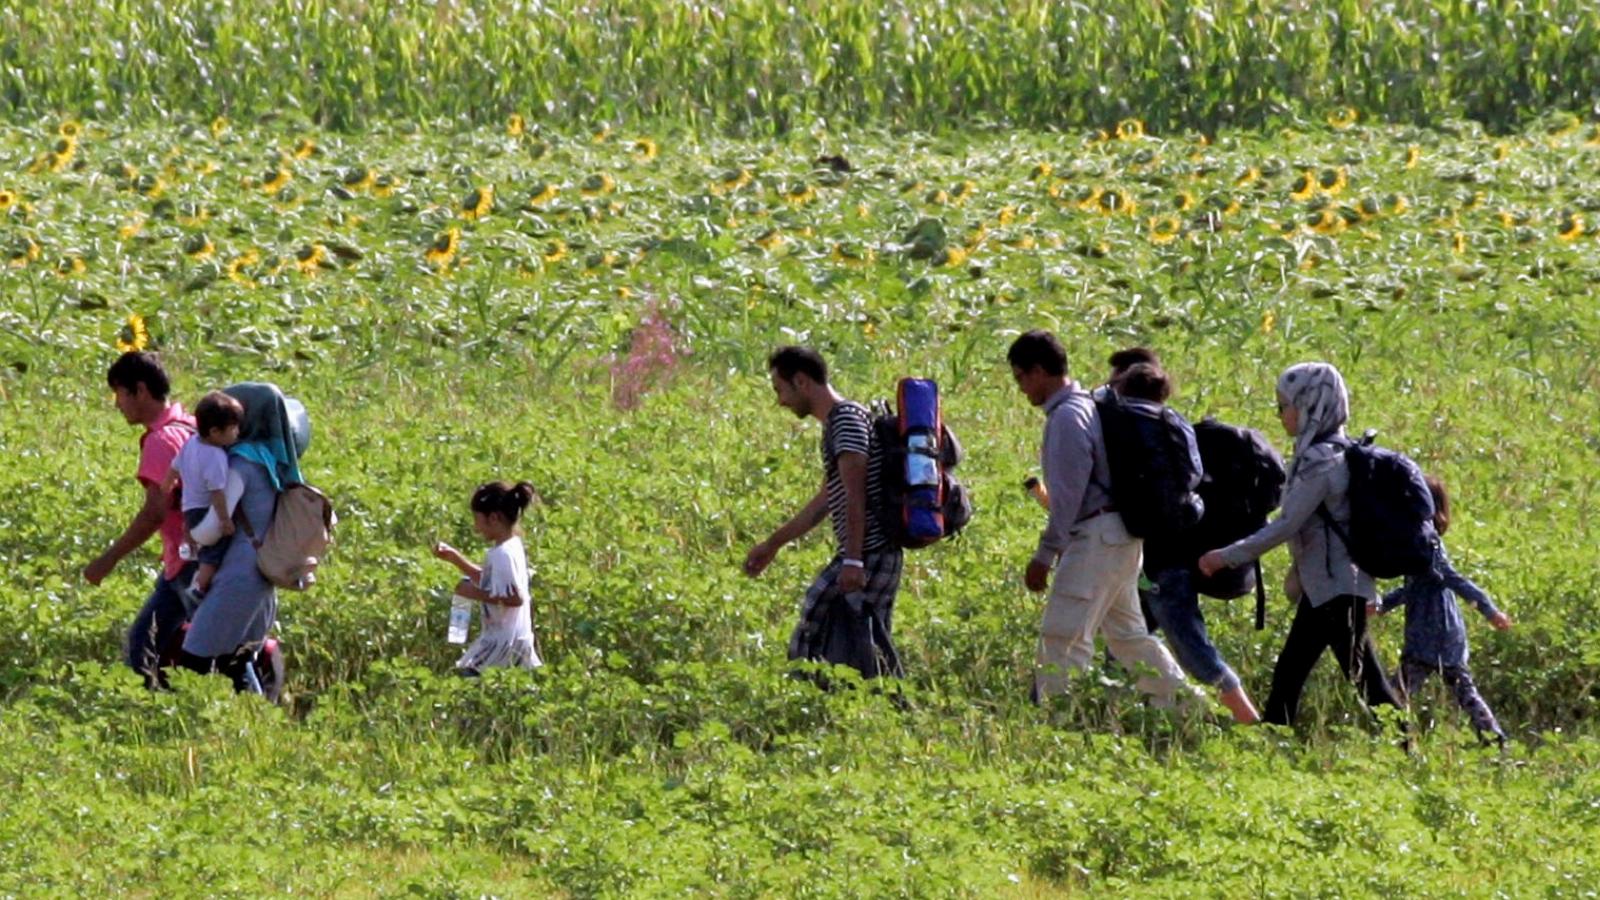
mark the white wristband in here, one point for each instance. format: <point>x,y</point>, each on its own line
<point>852,564</point>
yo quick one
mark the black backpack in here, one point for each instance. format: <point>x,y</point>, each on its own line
<point>1244,478</point>
<point>1391,531</point>
<point>1153,477</point>
<point>890,504</point>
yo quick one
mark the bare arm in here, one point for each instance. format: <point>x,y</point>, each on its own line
<point>146,522</point>
<point>809,517</point>
<point>853,472</point>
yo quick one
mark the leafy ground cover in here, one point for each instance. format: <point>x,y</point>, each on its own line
<point>592,312</point>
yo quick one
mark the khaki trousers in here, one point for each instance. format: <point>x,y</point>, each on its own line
<point>1096,589</point>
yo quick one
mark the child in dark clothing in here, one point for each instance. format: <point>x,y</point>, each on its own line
<point>1436,635</point>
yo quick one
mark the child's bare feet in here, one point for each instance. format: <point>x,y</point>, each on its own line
<point>1238,703</point>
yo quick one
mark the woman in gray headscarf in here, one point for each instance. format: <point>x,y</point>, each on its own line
<point>242,605</point>
<point>1332,592</point>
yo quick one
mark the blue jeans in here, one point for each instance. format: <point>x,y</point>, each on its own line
<point>1176,607</point>
<point>156,627</point>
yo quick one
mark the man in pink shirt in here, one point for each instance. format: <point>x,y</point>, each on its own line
<point>140,387</point>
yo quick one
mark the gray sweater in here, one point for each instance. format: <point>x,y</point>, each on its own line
<point>1322,564</point>
<point>1076,473</point>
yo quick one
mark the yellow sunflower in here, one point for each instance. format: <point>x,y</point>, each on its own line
<point>1571,227</point>
<point>309,258</point>
<point>597,184</point>
<point>305,148</point>
<point>132,335</point>
<point>800,195</point>
<point>770,240</point>
<point>384,185</point>
<point>555,251</point>
<point>515,125</point>
<point>1183,201</point>
<point>1332,181</point>
<point>1343,117</point>
<point>1006,215</point>
<point>1413,156</point>
<point>359,178</point>
<point>8,199</point>
<point>219,127</point>
<point>1502,150</point>
<point>69,130</point>
<point>1326,221</point>
<point>478,202</point>
<point>1249,176</point>
<point>1130,130</point>
<point>274,180</point>
<point>199,247</point>
<point>963,190</point>
<point>1040,171</point>
<point>1458,243</point>
<point>444,247</point>
<point>543,193</point>
<point>645,150</point>
<point>236,266</point>
<point>731,181</point>
<point>1164,229</point>
<point>601,134</point>
<point>1116,201</point>
<point>1305,184</point>
<point>950,257</point>
<point>1089,201</point>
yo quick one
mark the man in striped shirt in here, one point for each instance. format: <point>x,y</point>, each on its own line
<point>848,609</point>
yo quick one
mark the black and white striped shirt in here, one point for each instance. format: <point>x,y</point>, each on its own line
<point>849,430</point>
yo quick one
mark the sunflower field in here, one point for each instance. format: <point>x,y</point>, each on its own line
<point>562,252</point>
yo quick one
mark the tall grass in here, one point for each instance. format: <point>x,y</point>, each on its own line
<point>760,66</point>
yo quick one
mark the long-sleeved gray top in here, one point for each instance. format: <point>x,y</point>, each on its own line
<point>1073,457</point>
<point>1321,561</point>
<point>1435,632</point>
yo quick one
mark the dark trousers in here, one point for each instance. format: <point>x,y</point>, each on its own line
<point>156,627</point>
<point>1339,625</point>
<point>1414,672</point>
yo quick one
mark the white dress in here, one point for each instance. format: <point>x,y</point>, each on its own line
<point>507,635</point>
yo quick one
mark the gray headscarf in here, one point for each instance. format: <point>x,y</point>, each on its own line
<point>1317,391</point>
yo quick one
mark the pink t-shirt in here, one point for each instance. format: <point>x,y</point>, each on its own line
<point>158,446</point>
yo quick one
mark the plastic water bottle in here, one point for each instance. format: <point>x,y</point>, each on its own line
<point>460,618</point>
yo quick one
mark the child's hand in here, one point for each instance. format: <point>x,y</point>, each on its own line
<point>227,528</point>
<point>1500,621</point>
<point>445,552</point>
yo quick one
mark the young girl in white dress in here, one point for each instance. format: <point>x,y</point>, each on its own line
<point>501,584</point>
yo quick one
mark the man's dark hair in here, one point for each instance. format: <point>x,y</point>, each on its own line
<point>1132,356</point>
<point>1038,349</point>
<point>1144,381</point>
<point>791,361</point>
<point>216,411</point>
<point>137,367</point>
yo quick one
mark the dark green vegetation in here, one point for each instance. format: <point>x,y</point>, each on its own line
<point>761,66</point>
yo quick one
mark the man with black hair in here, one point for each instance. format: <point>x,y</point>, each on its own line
<point>1096,561</point>
<point>140,388</point>
<point>849,608</point>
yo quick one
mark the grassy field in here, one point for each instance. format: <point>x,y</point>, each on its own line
<point>592,312</point>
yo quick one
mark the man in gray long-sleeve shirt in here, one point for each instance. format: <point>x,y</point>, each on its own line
<point>1096,561</point>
